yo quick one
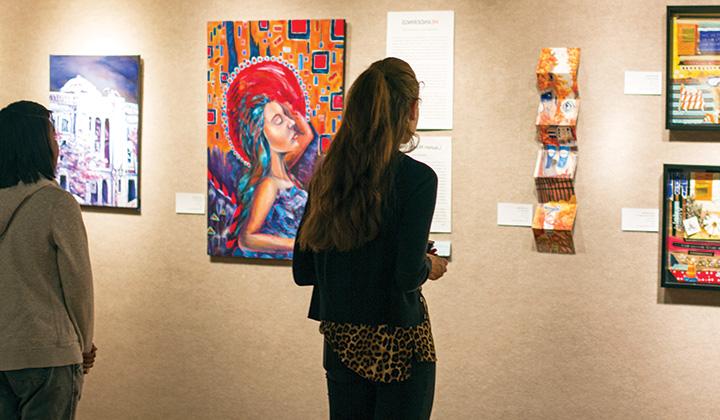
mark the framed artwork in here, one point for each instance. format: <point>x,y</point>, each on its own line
<point>693,68</point>
<point>691,227</point>
<point>274,102</point>
<point>95,105</point>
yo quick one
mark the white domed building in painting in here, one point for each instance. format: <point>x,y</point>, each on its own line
<point>98,137</point>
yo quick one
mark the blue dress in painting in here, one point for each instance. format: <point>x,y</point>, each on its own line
<point>282,220</point>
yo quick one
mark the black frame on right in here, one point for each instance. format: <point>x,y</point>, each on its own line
<point>697,100</point>
<point>690,255</point>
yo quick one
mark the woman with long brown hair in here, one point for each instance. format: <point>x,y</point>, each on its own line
<point>362,245</point>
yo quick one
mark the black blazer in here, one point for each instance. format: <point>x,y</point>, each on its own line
<point>377,283</point>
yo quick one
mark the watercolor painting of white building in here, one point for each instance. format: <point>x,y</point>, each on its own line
<point>94,102</point>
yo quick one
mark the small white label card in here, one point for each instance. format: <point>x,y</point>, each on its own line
<point>443,248</point>
<point>640,220</point>
<point>189,203</point>
<point>514,214</point>
<point>643,83</point>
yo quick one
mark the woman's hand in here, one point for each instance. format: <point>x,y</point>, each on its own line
<point>89,359</point>
<point>305,135</point>
<point>301,124</point>
<point>438,266</point>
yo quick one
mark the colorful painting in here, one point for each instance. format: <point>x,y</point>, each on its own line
<point>275,99</point>
<point>557,82</point>
<point>559,98</point>
<point>95,105</point>
<point>691,226</point>
<point>553,225</point>
<point>555,173</point>
<point>693,83</point>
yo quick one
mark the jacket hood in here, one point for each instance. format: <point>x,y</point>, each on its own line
<point>12,198</point>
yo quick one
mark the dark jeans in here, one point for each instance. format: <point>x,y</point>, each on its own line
<point>40,393</point>
<point>353,397</point>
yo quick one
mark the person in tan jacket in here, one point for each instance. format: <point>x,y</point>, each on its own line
<point>46,288</point>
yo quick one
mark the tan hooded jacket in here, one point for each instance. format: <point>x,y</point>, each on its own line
<point>46,291</point>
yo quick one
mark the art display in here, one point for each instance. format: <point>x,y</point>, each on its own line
<point>555,172</point>
<point>556,163</point>
<point>691,226</point>
<point>274,102</point>
<point>95,105</point>
<point>557,114</point>
<point>553,225</point>
<point>693,68</point>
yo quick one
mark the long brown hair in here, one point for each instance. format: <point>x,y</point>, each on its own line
<point>351,186</point>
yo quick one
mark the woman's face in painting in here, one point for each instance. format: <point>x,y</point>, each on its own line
<point>279,128</point>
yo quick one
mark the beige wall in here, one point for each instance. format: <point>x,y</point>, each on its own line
<point>519,334</point>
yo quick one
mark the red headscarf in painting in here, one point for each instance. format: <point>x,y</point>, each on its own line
<point>269,78</point>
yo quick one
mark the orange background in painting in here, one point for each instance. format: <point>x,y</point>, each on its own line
<point>279,46</point>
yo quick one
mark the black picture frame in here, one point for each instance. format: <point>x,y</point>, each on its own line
<point>694,96</point>
<point>702,253</point>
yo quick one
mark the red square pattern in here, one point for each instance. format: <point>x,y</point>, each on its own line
<point>320,61</point>
<point>298,26</point>
<point>339,29</point>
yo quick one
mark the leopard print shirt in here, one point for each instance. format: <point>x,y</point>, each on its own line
<point>380,353</point>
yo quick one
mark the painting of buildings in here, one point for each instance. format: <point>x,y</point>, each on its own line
<point>94,102</point>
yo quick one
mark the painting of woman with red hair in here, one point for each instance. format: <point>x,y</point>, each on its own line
<point>272,134</point>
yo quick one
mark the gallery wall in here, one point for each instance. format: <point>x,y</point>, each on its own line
<point>519,334</point>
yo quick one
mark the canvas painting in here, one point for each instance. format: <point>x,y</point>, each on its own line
<point>95,105</point>
<point>274,102</point>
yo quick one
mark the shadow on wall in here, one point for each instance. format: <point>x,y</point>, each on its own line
<point>251,261</point>
<point>694,136</point>
<point>111,210</point>
<point>688,297</point>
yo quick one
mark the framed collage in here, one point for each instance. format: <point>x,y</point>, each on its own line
<point>693,68</point>
<point>691,227</point>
